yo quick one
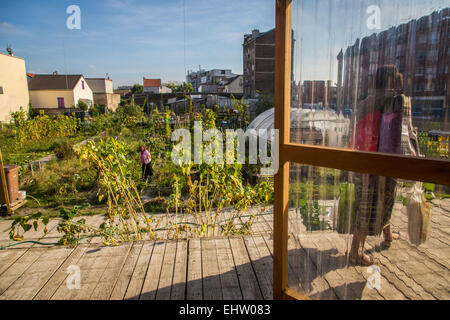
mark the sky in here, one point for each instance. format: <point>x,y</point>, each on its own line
<point>131,39</point>
<point>323,27</point>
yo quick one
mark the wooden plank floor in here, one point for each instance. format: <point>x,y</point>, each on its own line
<point>238,267</point>
<point>184,269</point>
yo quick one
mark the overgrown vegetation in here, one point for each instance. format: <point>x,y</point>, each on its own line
<point>186,200</point>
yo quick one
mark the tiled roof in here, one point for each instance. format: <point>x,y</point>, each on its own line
<point>54,82</point>
<point>152,82</point>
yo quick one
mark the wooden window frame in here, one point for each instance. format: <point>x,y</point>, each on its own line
<point>392,165</point>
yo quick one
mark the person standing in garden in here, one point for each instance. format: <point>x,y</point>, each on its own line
<point>146,162</point>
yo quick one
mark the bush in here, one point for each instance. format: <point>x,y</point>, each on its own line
<point>60,181</point>
<point>97,110</point>
<point>83,105</point>
<point>63,149</point>
<point>42,127</point>
<point>429,187</point>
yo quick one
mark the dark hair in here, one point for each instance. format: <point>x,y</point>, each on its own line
<point>388,77</point>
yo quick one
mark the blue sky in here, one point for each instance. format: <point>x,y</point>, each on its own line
<point>130,39</point>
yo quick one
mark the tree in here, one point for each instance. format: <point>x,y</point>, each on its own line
<point>184,88</point>
<point>172,85</point>
<point>265,102</point>
<point>137,88</point>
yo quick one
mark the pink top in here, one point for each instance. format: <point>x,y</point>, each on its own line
<point>367,131</point>
<point>145,157</point>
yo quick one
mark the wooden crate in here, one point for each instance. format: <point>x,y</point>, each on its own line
<point>14,206</point>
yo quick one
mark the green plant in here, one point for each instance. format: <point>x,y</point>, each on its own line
<point>63,149</point>
<point>42,127</point>
<point>137,88</point>
<point>26,223</point>
<point>114,171</point>
<point>429,187</point>
<point>184,87</point>
<point>82,105</point>
<point>313,215</point>
<point>265,102</point>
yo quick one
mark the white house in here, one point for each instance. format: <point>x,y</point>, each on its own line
<point>13,86</point>
<point>155,86</point>
<point>59,91</point>
<point>235,85</point>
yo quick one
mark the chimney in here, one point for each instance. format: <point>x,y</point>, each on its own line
<point>55,73</point>
<point>10,52</point>
<point>255,33</point>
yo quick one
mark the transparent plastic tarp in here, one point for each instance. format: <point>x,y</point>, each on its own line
<point>382,65</point>
<point>369,76</point>
<point>341,225</point>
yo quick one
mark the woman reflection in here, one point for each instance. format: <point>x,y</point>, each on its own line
<point>380,119</point>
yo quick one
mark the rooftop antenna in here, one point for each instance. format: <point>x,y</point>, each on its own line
<point>9,50</point>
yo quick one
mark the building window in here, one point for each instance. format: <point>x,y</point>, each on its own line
<point>422,39</point>
<point>61,104</point>
<point>419,71</point>
<point>82,84</point>
<point>1,90</point>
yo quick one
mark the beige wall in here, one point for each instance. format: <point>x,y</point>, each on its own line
<point>45,99</point>
<point>101,85</point>
<point>237,86</point>
<point>111,101</point>
<point>13,80</point>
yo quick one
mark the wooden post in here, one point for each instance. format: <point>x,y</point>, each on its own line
<point>283,62</point>
<point>4,185</point>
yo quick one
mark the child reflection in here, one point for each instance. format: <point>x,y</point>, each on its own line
<point>383,125</point>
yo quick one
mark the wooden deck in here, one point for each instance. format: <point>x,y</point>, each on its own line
<point>238,267</point>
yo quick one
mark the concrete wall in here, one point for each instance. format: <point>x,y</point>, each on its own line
<point>208,88</point>
<point>13,80</point>
<point>237,86</point>
<point>151,90</point>
<point>100,85</point>
<point>48,99</point>
<point>165,89</point>
<point>111,101</point>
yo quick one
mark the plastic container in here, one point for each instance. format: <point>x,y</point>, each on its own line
<point>12,183</point>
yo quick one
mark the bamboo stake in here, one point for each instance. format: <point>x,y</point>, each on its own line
<point>4,186</point>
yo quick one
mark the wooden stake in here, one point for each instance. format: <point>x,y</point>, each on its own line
<point>4,185</point>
